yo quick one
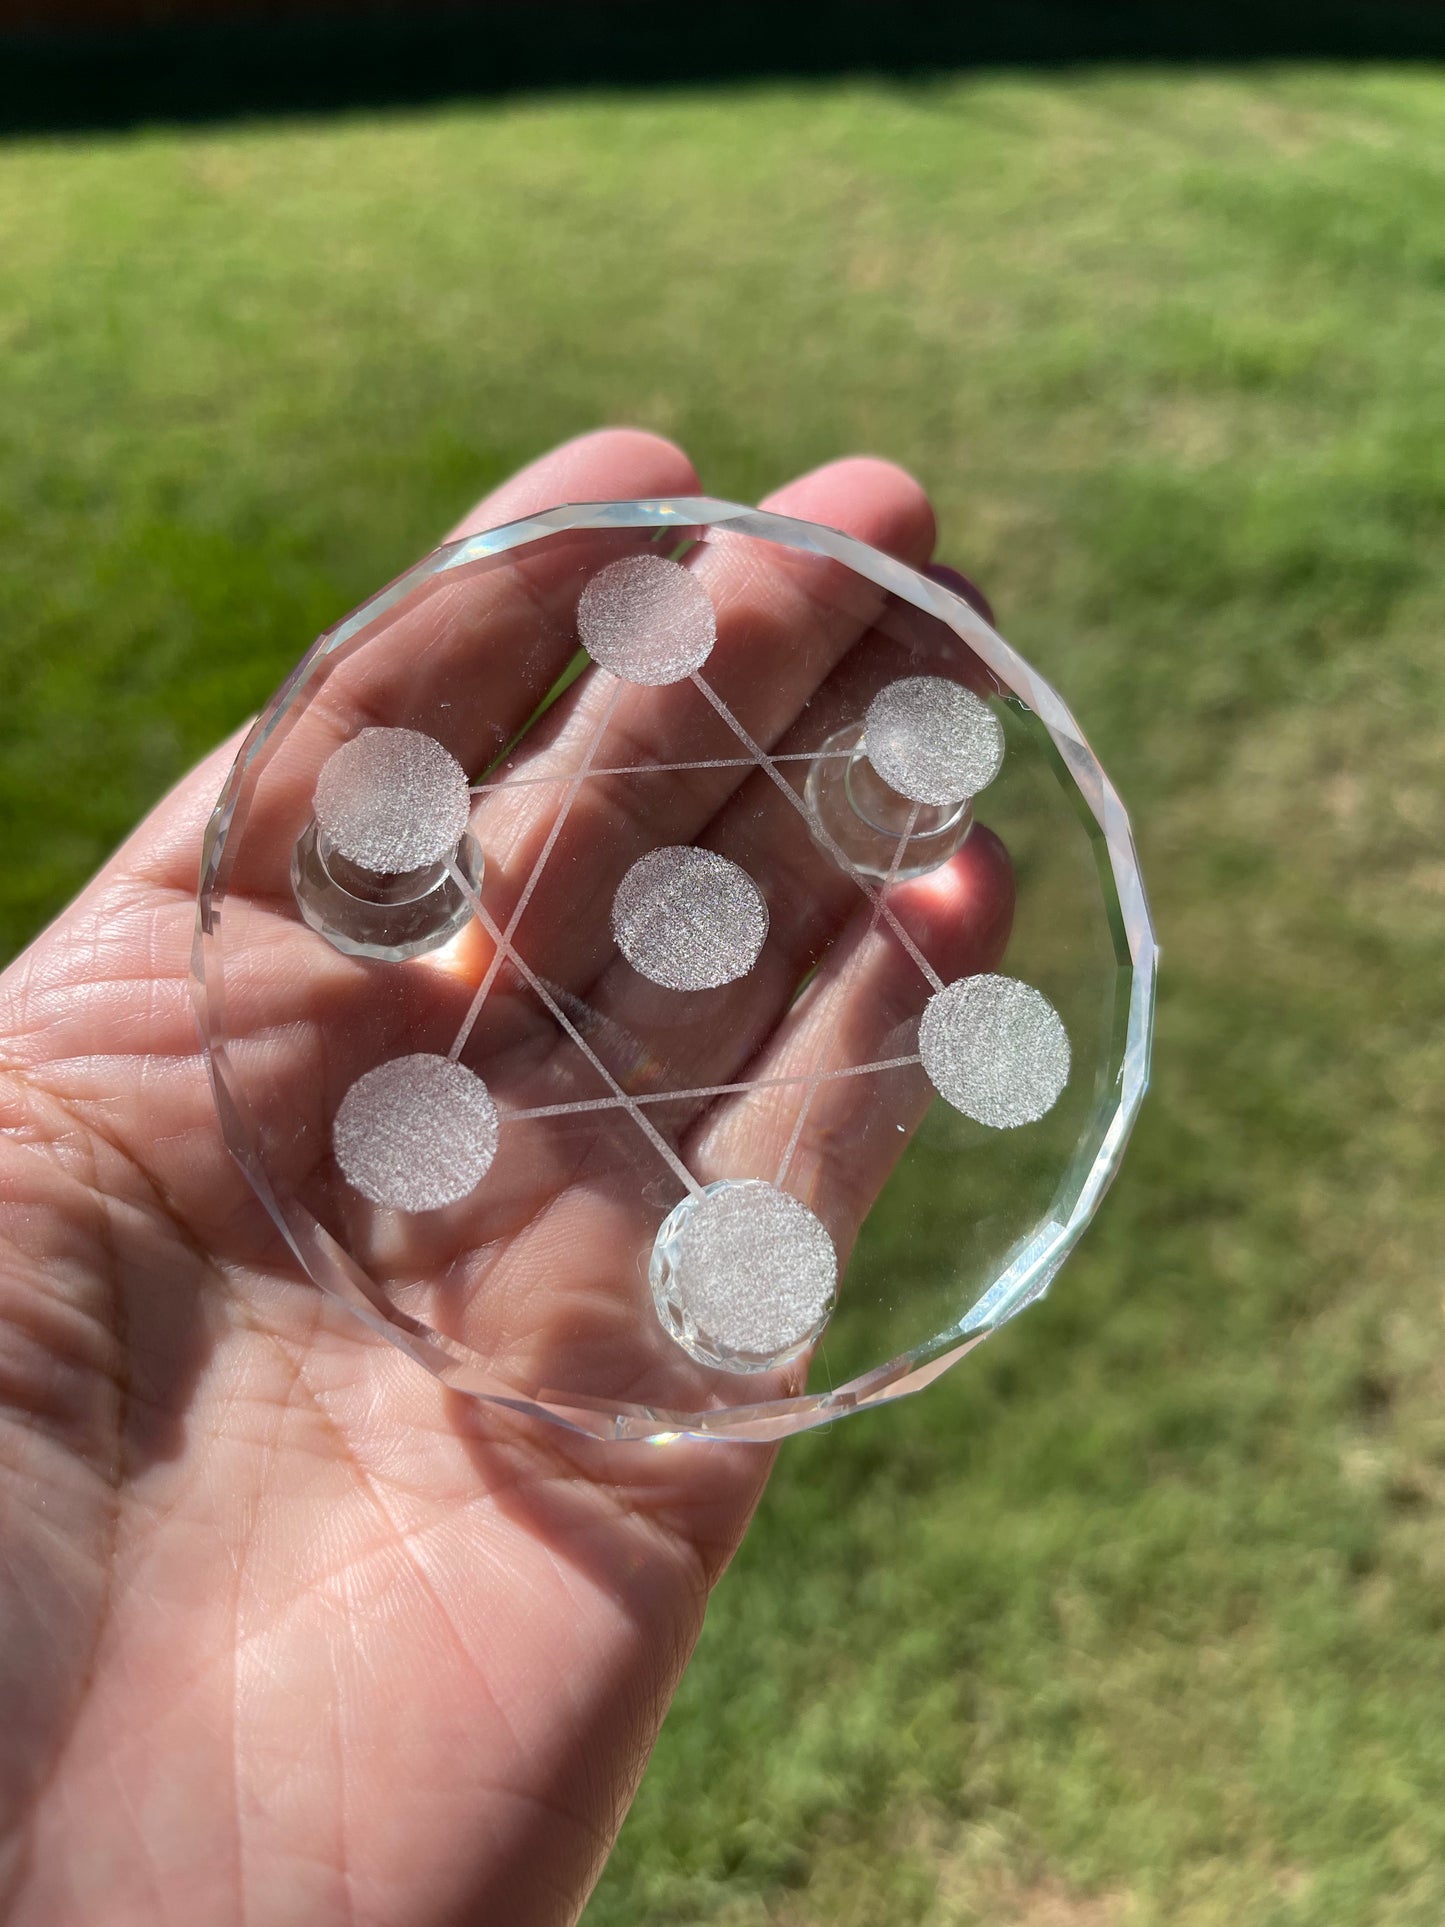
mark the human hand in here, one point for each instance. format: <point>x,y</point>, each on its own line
<point>287,1632</point>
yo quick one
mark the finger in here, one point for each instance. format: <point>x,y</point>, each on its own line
<point>766,829</point>
<point>815,1120</point>
<point>611,464</point>
<point>464,654</point>
<point>962,585</point>
<point>607,465</point>
<point>862,1010</point>
<point>162,854</point>
<point>475,651</point>
<point>783,620</point>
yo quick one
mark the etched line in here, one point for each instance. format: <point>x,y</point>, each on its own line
<point>653,1136</point>
<point>474,1009</point>
<point>660,769</point>
<point>895,865</point>
<point>708,1090</point>
<point>838,855</point>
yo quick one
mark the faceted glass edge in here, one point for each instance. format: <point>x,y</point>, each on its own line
<point>1032,1267</point>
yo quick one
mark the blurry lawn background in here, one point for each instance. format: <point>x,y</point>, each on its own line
<point>1140,1616</point>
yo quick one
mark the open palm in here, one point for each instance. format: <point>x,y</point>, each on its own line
<point>288,1632</point>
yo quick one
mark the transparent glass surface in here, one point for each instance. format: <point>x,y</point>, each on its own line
<point>675,970</point>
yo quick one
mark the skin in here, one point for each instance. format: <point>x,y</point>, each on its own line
<point>288,1631</point>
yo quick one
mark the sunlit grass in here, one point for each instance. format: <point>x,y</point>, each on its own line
<point>1139,1618</point>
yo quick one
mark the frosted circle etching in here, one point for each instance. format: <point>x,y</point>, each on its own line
<point>932,740</point>
<point>392,800</point>
<point>689,919</point>
<point>416,1133</point>
<point>744,1276</point>
<point>995,1049</point>
<point>647,620</point>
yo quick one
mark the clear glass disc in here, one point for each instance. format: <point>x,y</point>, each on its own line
<point>674,969</point>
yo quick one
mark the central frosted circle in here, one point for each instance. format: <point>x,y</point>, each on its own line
<point>932,740</point>
<point>743,1275</point>
<point>689,919</point>
<point>392,800</point>
<point>647,620</point>
<point>416,1133</point>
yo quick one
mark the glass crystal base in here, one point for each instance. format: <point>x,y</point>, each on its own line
<point>884,834</point>
<point>743,1276</point>
<point>371,914</point>
<point>714,1042</point>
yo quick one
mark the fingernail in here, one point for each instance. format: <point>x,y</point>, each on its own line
<point>962,585</point>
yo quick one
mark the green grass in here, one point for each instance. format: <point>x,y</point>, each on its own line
<point>1140,1617</point>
